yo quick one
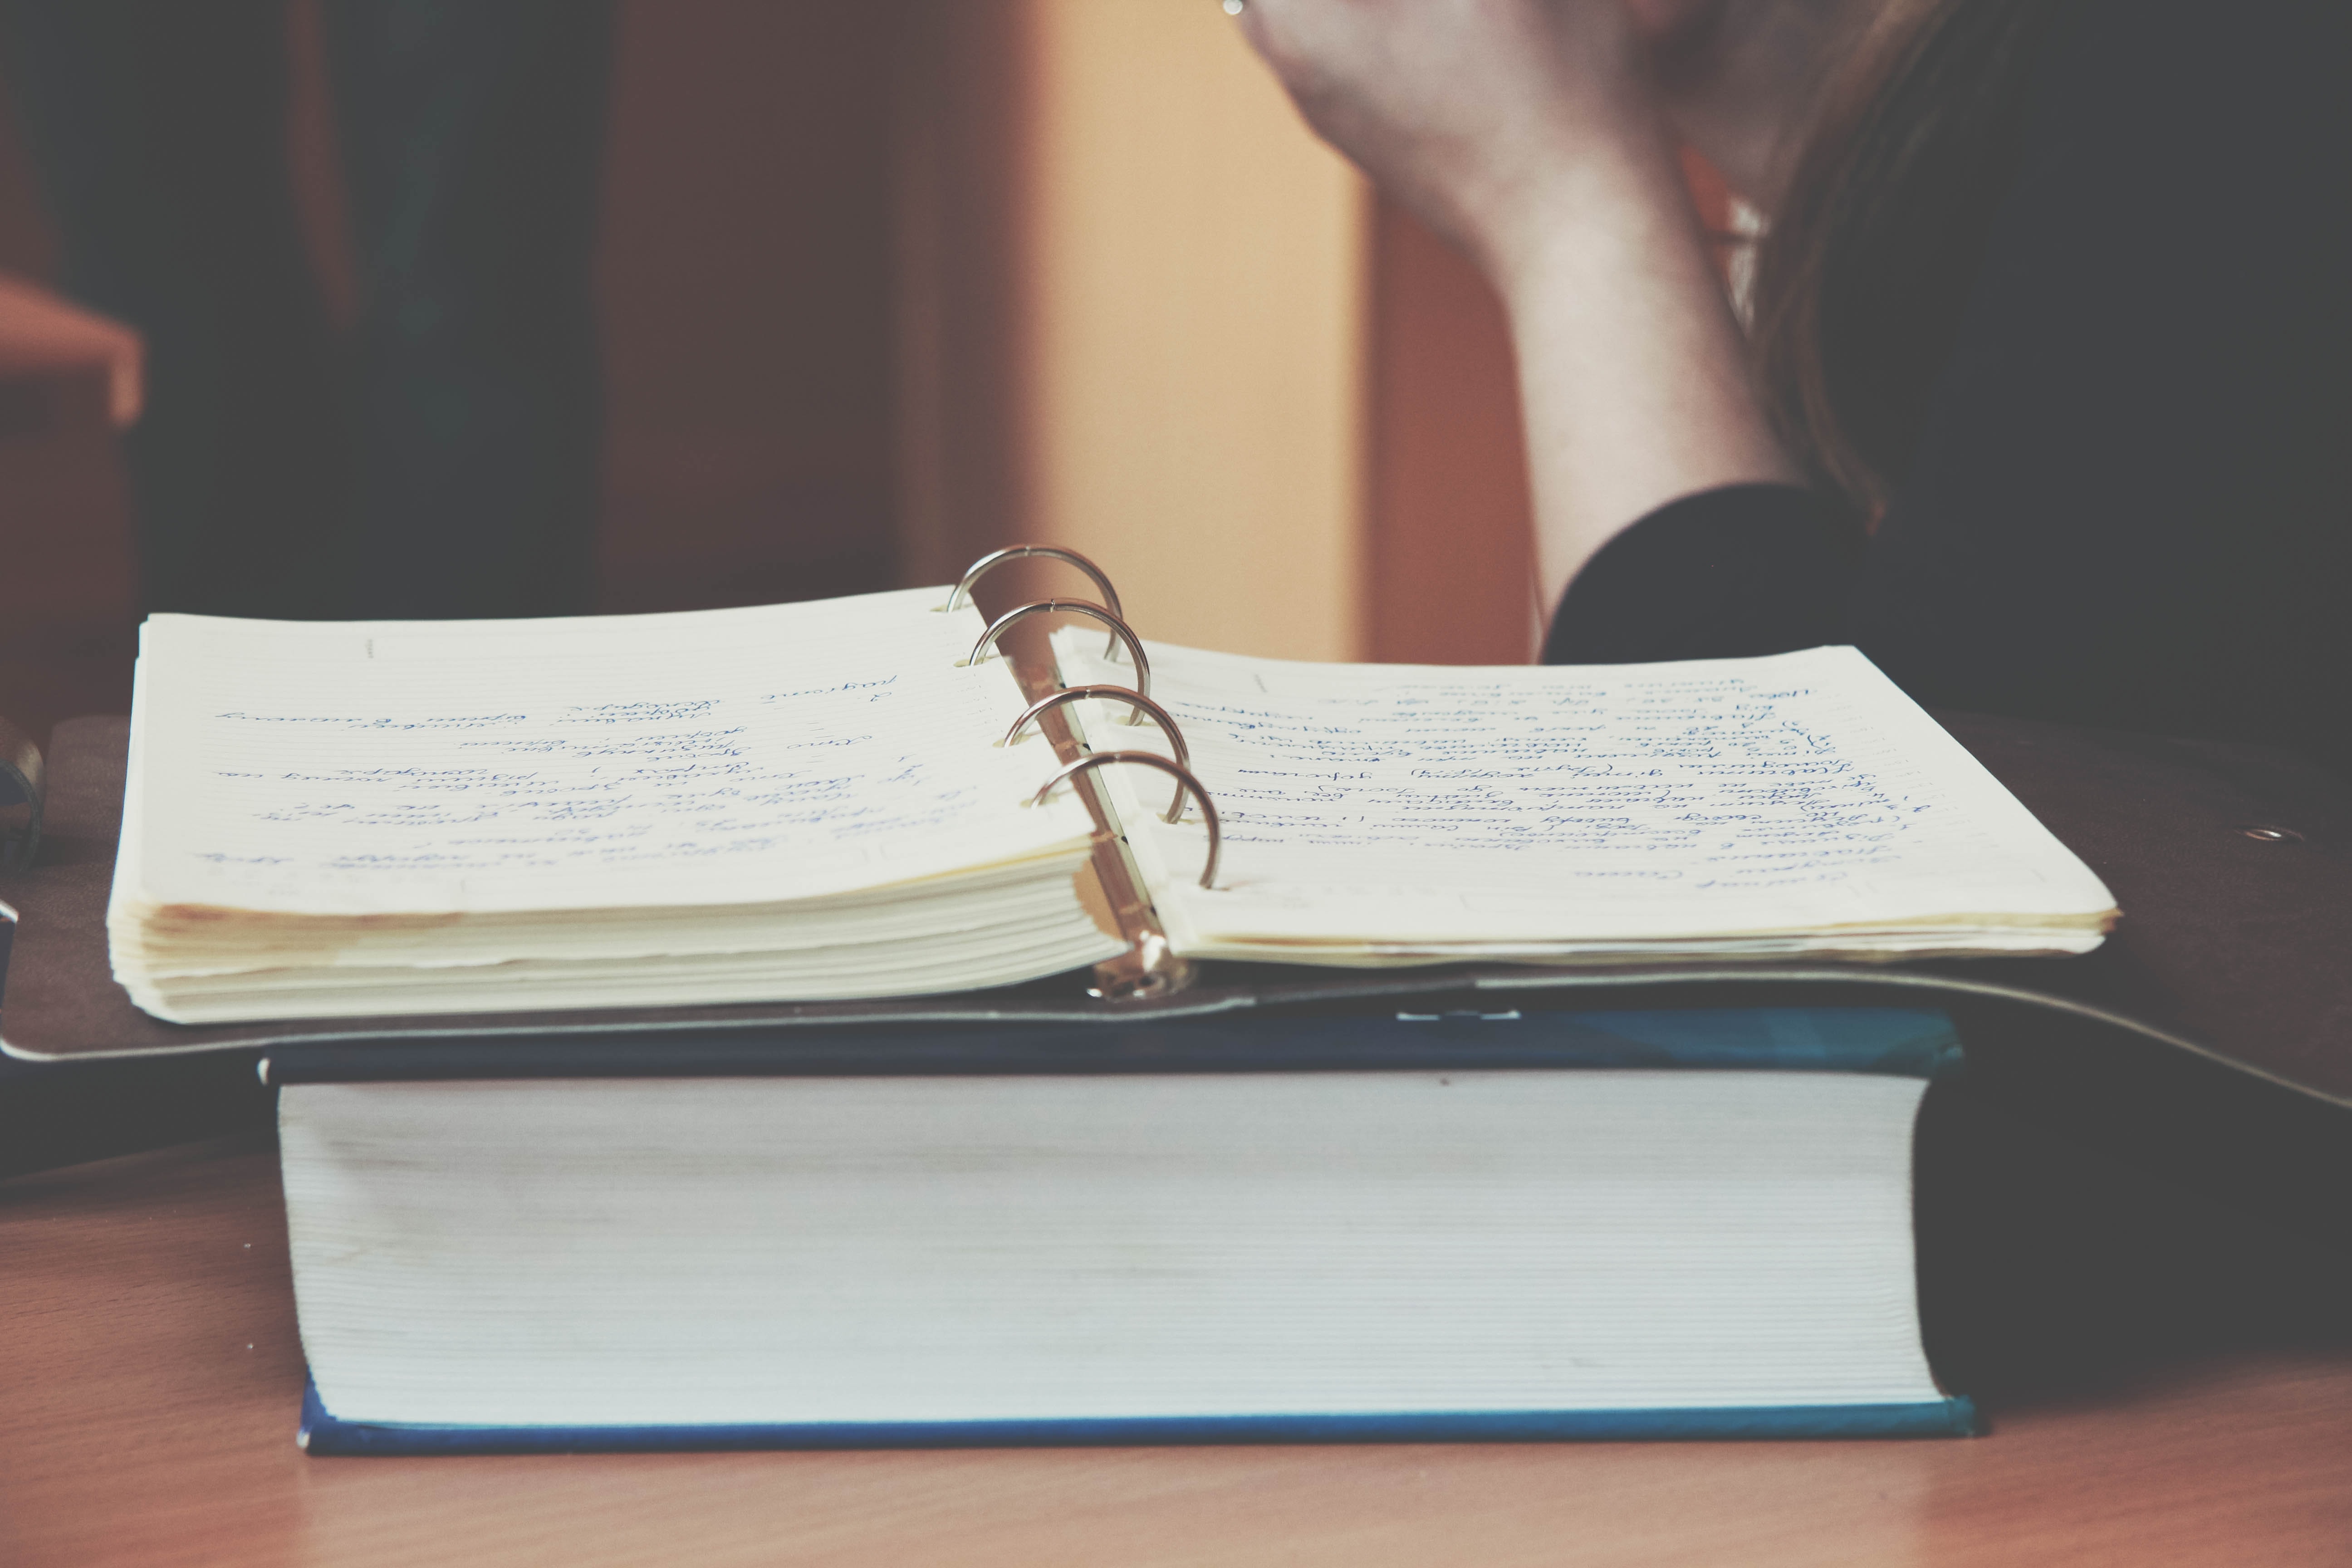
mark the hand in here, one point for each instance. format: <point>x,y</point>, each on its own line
<point>1486,117</point>
<point>1528,132</point>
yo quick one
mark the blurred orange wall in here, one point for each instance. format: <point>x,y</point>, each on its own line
<point>1280,415</point>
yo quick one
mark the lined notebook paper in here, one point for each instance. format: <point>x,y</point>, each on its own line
<point>1793,804</point>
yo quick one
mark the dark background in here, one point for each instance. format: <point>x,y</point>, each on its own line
<point>746,287</point>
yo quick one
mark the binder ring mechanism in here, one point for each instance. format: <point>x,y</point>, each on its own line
<point>990,562</point>
<point>1177,770</point>
<point>1118,629</point>
<point>1136,701</point>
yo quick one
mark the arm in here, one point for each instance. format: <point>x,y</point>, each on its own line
<point>1633,372</point>
<point>1530,134</point>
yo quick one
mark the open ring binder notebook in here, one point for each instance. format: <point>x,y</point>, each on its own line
<point>669,883</point>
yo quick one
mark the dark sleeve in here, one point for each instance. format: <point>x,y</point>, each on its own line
<point>1745,569</point>
<point>2129,505</point>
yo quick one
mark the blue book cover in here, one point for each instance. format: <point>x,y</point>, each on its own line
<point>1902,1041</point>
<point>323,1435</point>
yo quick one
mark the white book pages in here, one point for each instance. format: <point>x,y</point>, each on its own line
<point>750,756</point>
<point>797,803</point>
<point>1796,805</point>
<point>997,901</point>
<point>1010,1247</point>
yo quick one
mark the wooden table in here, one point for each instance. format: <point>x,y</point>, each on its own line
<point>150,1373</point>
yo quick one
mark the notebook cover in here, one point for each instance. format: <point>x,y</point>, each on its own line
<point>322,1434</point>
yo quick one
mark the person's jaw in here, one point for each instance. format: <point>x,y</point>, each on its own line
<point>1739,78</point>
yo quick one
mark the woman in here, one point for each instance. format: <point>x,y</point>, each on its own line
<point>2047,407</point>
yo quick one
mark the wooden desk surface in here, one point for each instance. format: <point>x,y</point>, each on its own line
<point>149,1373</point>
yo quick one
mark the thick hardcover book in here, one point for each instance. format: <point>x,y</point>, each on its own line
<point>1517,1225</point>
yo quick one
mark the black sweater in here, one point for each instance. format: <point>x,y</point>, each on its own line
<point>2130,504</point>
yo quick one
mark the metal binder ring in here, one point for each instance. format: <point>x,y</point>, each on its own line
<point>1182,774</point>
<point>1136,701</point>
<point>1119,630</point>
<point>990,562</point>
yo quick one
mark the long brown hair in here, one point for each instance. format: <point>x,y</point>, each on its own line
<point>1862,279</point>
